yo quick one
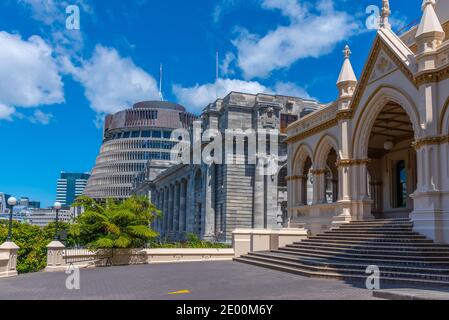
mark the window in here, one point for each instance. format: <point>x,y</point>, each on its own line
<point>401,184</point>
<point>286,120</point>
<point>157,134</point>
<point>126,135</point>
<point>146,134</point>
<point>135,134</point>
<point>167,134</point>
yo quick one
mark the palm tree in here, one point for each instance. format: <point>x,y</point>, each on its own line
<point>115,224</point>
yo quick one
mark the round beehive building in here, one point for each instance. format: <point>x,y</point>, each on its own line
<point>131,138</point>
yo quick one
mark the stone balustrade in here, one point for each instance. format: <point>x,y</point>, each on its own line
<point>317,218</point>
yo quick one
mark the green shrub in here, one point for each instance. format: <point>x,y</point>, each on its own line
<point>192,241</point>
<point>114,224</point>
<point>33,241</point>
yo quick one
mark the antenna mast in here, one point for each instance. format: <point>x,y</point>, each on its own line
<point>216,67</point>
<point>160,84</point>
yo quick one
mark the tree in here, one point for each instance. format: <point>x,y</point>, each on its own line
<point>114,224</point>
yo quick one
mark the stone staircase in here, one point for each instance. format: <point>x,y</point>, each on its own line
<point>402,255</point>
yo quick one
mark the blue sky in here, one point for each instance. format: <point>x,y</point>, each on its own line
<point>57,84</point>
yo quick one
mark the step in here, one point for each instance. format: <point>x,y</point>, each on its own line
<point>353,229</point>
<point>410,273</point>
<point>385,226</point>
<point>367,236</point>
<point>368,250</point>
<point>399,220</point>
<point>342,265</point>
<point>372,232</point>
<point>371,247</point>
<point>372,242</point>
<point>329,275</point>
<point>380,256</point>
<point>368,260</point>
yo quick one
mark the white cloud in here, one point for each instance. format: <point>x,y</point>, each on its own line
<point>291,89</point>
<point>226,67</point>
<point>29,74</point>
<point>6,112</point>
<point>289,8</point>
<point>41,118</point>
<point>312,32</point>
<point>199,96</point>
<point>52,11</point>
<point>222,8</point>
<point>111,82</point>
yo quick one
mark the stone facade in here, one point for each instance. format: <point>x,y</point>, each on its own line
<point>381,149</point>
<point>211,200</point>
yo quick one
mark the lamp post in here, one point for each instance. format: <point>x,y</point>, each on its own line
<point>57,207</point>
<point>12,202</point>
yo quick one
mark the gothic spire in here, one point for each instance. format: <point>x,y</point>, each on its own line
<point>347,72</point>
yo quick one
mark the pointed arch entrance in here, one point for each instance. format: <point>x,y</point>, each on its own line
<point>384,141</point>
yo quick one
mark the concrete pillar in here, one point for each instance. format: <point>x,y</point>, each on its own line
<point>8,259</point>
<point>259,200</point>
<point>183,207</point>
<point>208,207</point>
<point>190,214</point>
<point>171,191</point>
<point>176,201</point>
<point>165,212</point>
<point>55,259</point>
<point>159,205</point>
<point>431,199</point>
<point>319,186</point>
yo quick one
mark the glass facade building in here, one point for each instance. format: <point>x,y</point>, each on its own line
<point>70,186</point>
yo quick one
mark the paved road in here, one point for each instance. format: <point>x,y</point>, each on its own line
<point>204,280</point>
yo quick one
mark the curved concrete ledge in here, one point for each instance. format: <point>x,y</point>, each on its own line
<point>187,255</point>
<point>86,258</point>
<point>254,240</point>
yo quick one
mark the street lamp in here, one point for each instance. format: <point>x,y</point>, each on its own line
<point>57,206</point>
<point>12,202</point>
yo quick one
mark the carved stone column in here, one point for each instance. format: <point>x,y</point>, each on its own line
<point>183,207</point>
<point>259,199</point>
<point>171,191</point>
<point>165,212</point>
<point>176,200</point>
<point>319,186</point>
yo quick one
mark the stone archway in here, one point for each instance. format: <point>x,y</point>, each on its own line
<point>365,120</point>
<point>326,172</point>
<point>383,146</point>
<point>300,179</point>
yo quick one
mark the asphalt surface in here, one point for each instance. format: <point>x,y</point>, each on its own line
<point>187,281</point>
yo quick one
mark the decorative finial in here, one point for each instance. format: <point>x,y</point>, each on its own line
<point>386,12</point>
<point>347,52</point>
<point>427,2</point>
